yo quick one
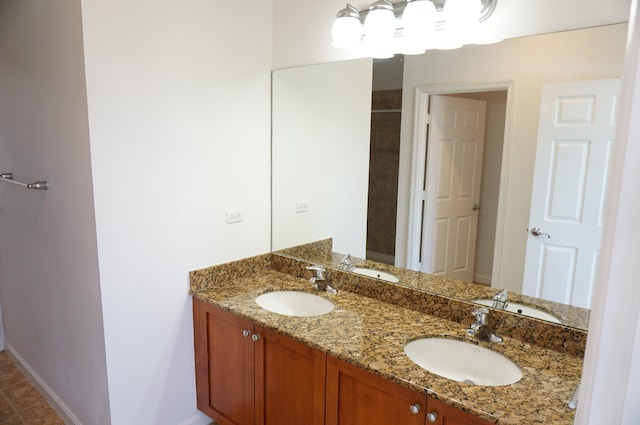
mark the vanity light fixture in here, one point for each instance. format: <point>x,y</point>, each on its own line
<point>411,26</point>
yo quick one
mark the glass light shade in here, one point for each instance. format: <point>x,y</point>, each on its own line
<point>380,23</point>
<point>461,19</point>
<point>419,21</point>
<point>346,31</point>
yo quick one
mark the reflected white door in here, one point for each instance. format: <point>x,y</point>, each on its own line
<point>575,137</point>
<point>452,186</point>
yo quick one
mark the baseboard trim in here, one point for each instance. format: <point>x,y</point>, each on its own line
<point>197,419</point>
<point>485,280</point>
<point>61,409</point>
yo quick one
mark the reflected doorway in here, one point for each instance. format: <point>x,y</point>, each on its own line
<point>384,158</point>
<point>496,96</point>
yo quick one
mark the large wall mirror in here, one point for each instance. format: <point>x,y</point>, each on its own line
<point>344,145</point>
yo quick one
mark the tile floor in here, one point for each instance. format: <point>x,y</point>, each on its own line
<point>20,402</point>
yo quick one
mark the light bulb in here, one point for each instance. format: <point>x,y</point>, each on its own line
<point>461,20</point>
<point>380,24</point>
<point>346,30</point>
<point>418,20</point>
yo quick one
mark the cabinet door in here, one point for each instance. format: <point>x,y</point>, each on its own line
<point>356,397</point>
<point>225,365</point>
<point>290,381</point>
<point>439,413</point>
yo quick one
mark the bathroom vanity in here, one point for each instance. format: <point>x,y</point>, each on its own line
<point>347,366</point>
<point>249,374</point>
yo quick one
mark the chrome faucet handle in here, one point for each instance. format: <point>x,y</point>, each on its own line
<point>320,271</point>
<point>481,315</point>
<point>500,300</point>
<point>345,263</point>
<point>501,296</point>
<point>480,329</point>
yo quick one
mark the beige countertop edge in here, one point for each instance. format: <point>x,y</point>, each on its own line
<point>371,335</point>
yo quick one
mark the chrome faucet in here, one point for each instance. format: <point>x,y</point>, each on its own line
<point>500,300</point>
<point>345,263</point>
<point>480,329</point>
<point>320,281</point>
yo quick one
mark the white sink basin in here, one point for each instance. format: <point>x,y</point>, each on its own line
<point>522,309</point>
<point>376,274</point>
<point>463,362</point>
<point>294,303</point>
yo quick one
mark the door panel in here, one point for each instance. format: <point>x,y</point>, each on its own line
<point>356,397</point>
<point>567,180</point>
<point>463,238</point>
<point>290,381</point>
<point>224,365</point>
<point>454,166</point>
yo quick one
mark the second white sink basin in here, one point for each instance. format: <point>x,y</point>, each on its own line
<point>378,274</point>
<point>294,303</point>
<point>463,362</point>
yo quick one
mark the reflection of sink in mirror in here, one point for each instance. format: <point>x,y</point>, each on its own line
<point>294,303</point>
<point>463,362</point>
<point>378,274</point>
<point>525,310</point>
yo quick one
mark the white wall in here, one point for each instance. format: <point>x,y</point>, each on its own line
<point>528,63</point>
<point>491,167</point>
<point>611,373</point>
<point>321,123</point>
<point>49,282</point>
<point>179,101</point>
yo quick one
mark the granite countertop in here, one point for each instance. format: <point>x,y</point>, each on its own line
<point>371,334</point>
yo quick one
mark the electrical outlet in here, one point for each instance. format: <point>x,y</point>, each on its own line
<point>234,216</point>
<point>302,206</point>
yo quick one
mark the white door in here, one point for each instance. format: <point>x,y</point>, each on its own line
<point>575,136</point>
<point>452,186</point>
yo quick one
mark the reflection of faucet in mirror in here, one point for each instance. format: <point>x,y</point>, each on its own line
<point>500,300</point>
<point>345,263</point>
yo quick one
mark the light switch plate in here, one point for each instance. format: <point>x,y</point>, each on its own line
<point>302,206</point>
<point>234,216</point>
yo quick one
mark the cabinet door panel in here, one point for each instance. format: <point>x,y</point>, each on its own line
<point>224,365</point>
<point>290,381</point>
<point>356,397</point>
<point>449,415</point>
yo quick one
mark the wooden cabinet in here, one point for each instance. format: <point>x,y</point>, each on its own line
<point>290,381</point>
<point>356,397</point>
<point>249,375</point>
<point>246,374</point>
<point>439,413</point>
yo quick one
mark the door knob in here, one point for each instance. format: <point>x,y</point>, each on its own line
<point>255,337</point>
<point>432,417</point>
<point>538,233</point>
<point>415,408</point>
<point>246,333</point>
<point>476,207</point>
